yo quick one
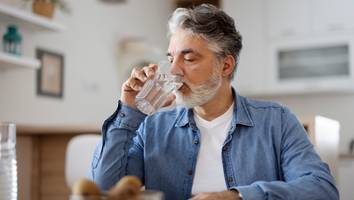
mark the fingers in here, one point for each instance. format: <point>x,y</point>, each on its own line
<point>145,73</point>
<point>132,84</point>
<point>150,71</point>
<point>138,77</point>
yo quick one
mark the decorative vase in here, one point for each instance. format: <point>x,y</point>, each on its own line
<point>43,8</point>
<point>11,41</point>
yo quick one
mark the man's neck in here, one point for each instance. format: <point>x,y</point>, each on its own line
<point>218,105</point>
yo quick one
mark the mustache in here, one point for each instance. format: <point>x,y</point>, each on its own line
<point>187,84</point>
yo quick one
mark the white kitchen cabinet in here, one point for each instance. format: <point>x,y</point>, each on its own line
<point>287,17</point>
<point>330,16</point>
<point>272,27</point>
<point>309,65</point>
<point>300,18</point>
<point>303,27</point>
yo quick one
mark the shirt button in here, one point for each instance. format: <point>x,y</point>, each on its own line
<point>121,115</point>
<point>196,142</point>
<point>190,172</point>
<point>224,148</point>
<point>229,179</point>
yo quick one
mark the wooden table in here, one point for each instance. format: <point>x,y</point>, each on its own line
<point>41,159</point>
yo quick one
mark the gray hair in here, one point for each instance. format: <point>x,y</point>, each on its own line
<point>213,25</point>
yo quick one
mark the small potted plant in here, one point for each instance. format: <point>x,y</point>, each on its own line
<point>47,7</point>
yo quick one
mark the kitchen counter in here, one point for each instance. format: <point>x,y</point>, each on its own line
<point>26,129</point>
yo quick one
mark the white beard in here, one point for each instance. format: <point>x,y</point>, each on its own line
<point>200,94</point>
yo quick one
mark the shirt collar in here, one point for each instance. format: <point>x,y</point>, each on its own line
<point>241,112</point>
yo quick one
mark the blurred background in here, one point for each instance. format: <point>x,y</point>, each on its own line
<point>60,75</point>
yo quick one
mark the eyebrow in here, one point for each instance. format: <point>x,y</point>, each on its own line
<point>185,51</point>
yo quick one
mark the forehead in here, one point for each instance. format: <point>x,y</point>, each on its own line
<point>183,40</point>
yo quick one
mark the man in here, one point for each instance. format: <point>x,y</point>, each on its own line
<point>219,145</point>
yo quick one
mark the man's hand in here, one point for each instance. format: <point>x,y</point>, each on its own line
<point>225,195</point>
<point>135,82</point>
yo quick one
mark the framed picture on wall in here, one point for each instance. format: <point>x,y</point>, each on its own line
<point>50,75</point>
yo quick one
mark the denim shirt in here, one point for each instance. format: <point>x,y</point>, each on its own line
<point>266,155</point>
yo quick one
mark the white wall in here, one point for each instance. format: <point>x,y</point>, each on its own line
<point>89,45</point>
<point>248,19</point>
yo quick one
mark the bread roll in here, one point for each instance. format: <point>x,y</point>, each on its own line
<point>128,188</point>
<point>85,187</point>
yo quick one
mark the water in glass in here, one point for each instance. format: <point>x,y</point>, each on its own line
<point>155,92</point>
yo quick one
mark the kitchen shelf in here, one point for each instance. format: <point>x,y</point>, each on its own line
<point>26,19</point>
<point>11,61</point>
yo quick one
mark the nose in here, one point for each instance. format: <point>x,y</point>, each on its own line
<point>176,68</point>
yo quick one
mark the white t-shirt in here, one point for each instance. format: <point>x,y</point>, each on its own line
<point>209,173</point>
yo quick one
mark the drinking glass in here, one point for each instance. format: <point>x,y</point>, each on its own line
<point>155,92</point>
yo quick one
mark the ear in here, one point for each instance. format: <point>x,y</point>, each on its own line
<point>229,66</point>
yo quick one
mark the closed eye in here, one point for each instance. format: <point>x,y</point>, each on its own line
<point>189,58</point>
